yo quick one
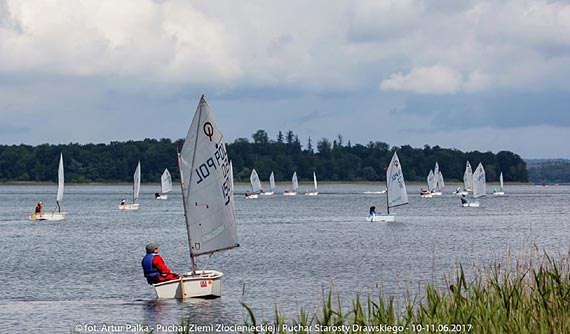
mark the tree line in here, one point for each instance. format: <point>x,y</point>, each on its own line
<point>549,171</point>
<point>332,160</point>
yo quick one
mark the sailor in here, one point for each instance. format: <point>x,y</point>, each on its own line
<point>39,207</point>
<point>154,268</point>
<point>373,211</point>
<point>123,202</point>
<point>463,200</point>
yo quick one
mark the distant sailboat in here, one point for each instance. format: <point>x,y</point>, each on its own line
<point>294,186</point>
<point>165,185</point>
<point>271,185</point>
<point>314,192</point>
<point>431,186</point>
<point>467,181</point>
<point>500,192</point>
<point>438,183</point>
<point>209,209</point>
<point>59,199</point>
<point>396,191</point>
<point>255,185</point>
<point>136,190</point>
<point>479,186</point>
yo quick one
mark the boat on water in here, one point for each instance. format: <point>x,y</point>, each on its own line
<point>294,186</point>
<point>271,186</point>
<point>136,190</point>
<point>431,186</point>
<point>499,192</point>
<point>479,186</point>
<point>313,192</point>
<point>165,185</point>
<point>255,186</point>
<point>54,215</point>
<point>209,209</point>
<point>396,191</point>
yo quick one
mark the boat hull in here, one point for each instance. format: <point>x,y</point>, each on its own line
<point>311,193</point>
<point>436,193</point>
<point>48,216</point>
<point>499,193</point>
<point>382,218</point>
<point>252,196</point>
<point>470,205</point>
<point>461,193</point>
<point>162,197</point>
<point>205,284</point>
<point>290,193</point>
<point>269,193</point>
<point>426,195</point>
<point>129,207</point>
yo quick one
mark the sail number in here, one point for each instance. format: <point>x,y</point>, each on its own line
<point>398,177</point>
<point>218,162</point>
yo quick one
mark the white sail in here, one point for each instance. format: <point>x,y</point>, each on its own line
<point>271,182</point>
<point>479,182</point>
<point>396,185</point>
<point>207,186</point>
<point>137,182</point>
<point>315,180</point>
<point>468,177</point>
<point>60,182</point>
<point>294,182</point>
<point>166,182</point>
<point>255,182</point>
<point>501,181</point>
<point>431,181</point>
<point>440,183</point>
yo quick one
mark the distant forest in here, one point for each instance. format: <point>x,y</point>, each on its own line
<point>332,160</point>
<point>549,171</point>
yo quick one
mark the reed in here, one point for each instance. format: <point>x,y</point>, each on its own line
<point>525,297</point>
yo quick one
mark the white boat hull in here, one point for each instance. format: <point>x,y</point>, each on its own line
<point>461,193</point>
<point>382,218</point>
<point>436,193</point>
<point>311,193</point>
<point>129,207</point>
<point>205,284</point>
<point>375,192</point>
<point>162,197</point>
<point>499,193</point>
<point>48,216</point>
<point>290,193</point>
<point>426,195</point>
<point>269,193</point>
<point>252,196</point>
<point>470,205</point>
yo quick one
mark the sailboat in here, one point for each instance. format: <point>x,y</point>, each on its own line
<point>165,185</point>
<point>313,192</point>
<point>467,181</point>
<point>59,199</point>
<point>438,181</point>
<point>271,185</point>
<point>500,192</point>
<point>396,191</point>
<point>209,211</point>
<point>294,186</point>
<point>136,189</point>
<point>479,186</point>
<point>255,185</point>
<point>431,186</point>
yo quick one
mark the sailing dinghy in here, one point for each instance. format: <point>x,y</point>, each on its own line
<point>396,191</point>
<point>59,199</point>
<point>255,185</point>
<point>165,185</point>
<point>479,186</point>
<point>209,210</point>
<point>500,192</point>
<point>294,186</point>
<point>136,190</point>
<point>438,181</point>
<point>313,192</point>
<point>271,186</point>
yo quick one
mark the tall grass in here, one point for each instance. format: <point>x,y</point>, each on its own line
<point>520,298</point>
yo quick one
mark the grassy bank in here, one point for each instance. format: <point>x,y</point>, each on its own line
<point>521,298</point>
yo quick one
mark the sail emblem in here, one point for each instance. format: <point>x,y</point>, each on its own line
<point>208,130</point>
<point>396,163</point>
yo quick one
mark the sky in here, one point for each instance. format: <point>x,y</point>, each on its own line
<point>470,75</point>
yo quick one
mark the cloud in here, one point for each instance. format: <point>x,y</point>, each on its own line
<point>436,79</point>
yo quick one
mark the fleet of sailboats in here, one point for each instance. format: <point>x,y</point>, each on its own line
<point>209,210</point>
<point>54,215</point>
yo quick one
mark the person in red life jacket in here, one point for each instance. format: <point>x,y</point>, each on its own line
<point>154,268</point>
<point>39,207</point>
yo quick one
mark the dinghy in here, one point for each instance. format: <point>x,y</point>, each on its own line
<point>136,190</point>
<point>54,215</point>
<point>396,191</point>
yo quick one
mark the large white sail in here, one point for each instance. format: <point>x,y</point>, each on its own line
<point>396,185</point>
<point>255,182</point>
<point>501,181</point>
<point>468,177</point>
<point>207,186</point>
<point>440,183</point>
<point>315,180</point>
<point>431,181</point>
<point>294,182</point>
<point>137,182</point>
<point>60,182</point>
<point>271,182</point>
<point>165,181</point>
<point>479,182</point>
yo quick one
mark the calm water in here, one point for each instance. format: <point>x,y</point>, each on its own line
<point>86,270</point>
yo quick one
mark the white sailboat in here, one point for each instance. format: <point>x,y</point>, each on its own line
<point>396,191</point>
<point>165,185</point>
<point>501,191</point>
<point>467,181</point>
<point>438,181</point>
<point>255,185</point>
<point>59,199</point>
<point>313,192</point>
<point>136,190</point>
<point>271,186</point>
<point>209,211</point>
<point>294,186</point>
<point>431,186</point>
<point>479,186</point>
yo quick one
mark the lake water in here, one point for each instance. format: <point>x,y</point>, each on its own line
<point>85,271</point>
